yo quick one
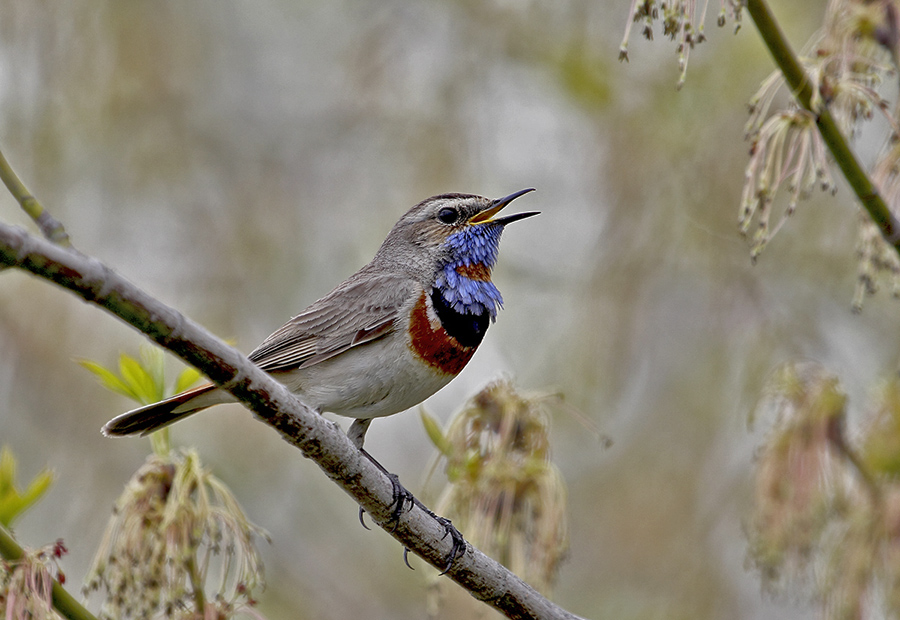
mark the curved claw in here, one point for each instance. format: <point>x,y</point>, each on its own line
<point>406,558</point>
<point>361,522</point>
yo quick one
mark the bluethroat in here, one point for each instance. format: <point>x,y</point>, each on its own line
<point>389,336</point>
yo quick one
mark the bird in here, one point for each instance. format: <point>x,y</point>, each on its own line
<point>390,335</point>
<point>385,339</point>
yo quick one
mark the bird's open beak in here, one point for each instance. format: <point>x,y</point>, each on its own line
<point>485,216</point>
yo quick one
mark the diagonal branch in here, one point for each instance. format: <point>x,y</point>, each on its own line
<point>316,437</point>
<point>802,89</point>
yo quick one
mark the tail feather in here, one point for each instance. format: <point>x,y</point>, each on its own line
<point>153,417</point>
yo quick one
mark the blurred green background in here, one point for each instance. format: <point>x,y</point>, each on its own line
<point>238,160</point>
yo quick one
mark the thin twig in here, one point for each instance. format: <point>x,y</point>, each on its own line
<point>801,86</point>
<point>50,227</point>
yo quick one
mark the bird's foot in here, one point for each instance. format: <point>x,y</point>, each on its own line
<point>458,547</point>
<point>459,543</point>
<point>456,551</point>
<point>401,500</point>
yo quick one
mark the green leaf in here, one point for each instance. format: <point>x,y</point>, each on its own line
<point>37,487</point>
<point>109,379</point>
<point>7,471</point>
<point>139,379</point>
<point>154,362</point>
<point>12,502</point>
<point>435,434</point>
<point>186,379</point>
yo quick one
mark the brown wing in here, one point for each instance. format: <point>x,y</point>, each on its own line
<point>360,310</point>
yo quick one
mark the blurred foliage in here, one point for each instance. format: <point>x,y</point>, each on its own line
<point>503,492</point>
<point>142,380</point>
<point>850,63</point>
<point>681,22</point>
<point>26,586</point>
<point>881,441</point>
<point>13,500</point>
<point>827,510</point>
<point>177,545</point>
<point>585,78</point>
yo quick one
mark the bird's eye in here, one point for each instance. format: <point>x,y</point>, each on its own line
<point>448,215</point>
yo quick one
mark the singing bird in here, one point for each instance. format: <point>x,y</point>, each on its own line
<point>389,336</point>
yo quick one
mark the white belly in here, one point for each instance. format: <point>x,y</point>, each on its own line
<point>377,379</point>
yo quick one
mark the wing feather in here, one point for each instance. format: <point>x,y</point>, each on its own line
<point>362,309</point>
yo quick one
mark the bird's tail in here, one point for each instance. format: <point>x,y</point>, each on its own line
<point>149,418</point>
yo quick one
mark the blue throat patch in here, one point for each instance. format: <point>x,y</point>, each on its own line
<point>472,246</point>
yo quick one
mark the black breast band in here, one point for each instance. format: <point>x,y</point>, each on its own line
<point>467,329</point>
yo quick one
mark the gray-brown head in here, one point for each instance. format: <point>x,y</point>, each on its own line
<point>448,234</point>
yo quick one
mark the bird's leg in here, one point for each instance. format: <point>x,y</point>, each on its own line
<point>357,435</point>
<point>401,497</point>
<point>357,432</point>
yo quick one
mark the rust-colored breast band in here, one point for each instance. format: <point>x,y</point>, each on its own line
<point>475,271</point>
<point>431,343</point>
